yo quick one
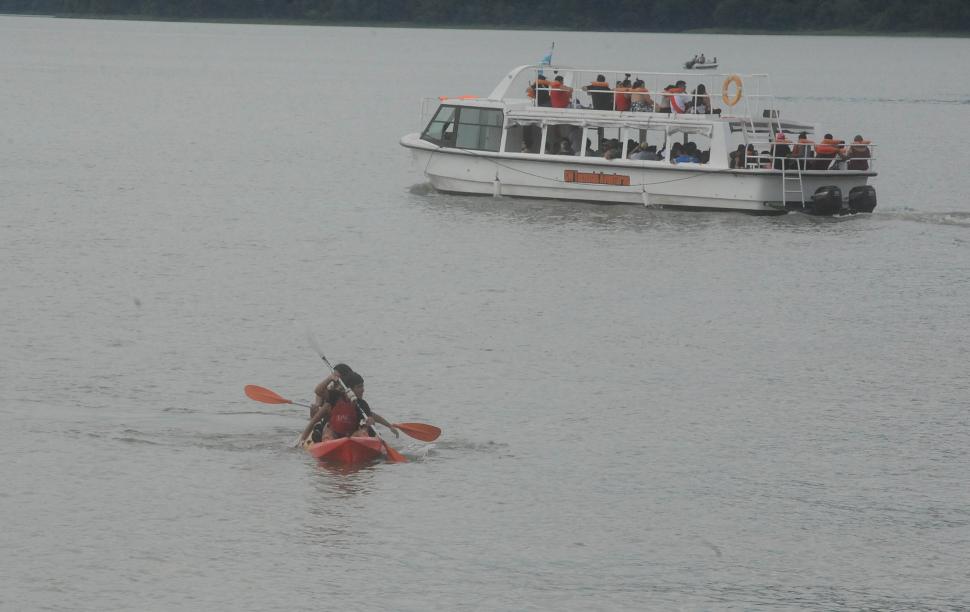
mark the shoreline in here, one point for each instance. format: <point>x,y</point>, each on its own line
<point>424,26</point>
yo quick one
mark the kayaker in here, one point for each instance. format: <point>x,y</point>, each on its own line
<point>340,417</point>
<point>323,389</point>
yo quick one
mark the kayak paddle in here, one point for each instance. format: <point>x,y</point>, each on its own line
<point>419,431</point>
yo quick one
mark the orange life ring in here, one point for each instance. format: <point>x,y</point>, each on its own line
<point>727,85</point>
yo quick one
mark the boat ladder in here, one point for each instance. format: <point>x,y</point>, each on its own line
<point>791,184</point>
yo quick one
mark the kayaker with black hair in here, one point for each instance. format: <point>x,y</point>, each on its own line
<point>323,389</point>
<point>339,414</point>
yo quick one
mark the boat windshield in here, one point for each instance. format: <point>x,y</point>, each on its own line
<point>466,127</point>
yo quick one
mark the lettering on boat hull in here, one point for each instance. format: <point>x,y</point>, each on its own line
<point>596,178</point>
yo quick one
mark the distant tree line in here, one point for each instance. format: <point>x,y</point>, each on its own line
<point>614,15</point>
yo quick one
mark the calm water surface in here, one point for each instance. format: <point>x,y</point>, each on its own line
<point>642,409</point>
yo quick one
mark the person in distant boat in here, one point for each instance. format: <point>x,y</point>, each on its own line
<point>560,93</point>
<point>599,92</point>
<point>342,414</point>
<point>702,60</point>
<point>858,154</point>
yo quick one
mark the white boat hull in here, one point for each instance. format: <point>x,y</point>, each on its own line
<point>656,184</point>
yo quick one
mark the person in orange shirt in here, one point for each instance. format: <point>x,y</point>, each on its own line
<point>621,95</point>
<point>559,93</point>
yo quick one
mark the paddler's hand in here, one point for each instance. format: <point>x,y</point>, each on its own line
<point>397,434</point>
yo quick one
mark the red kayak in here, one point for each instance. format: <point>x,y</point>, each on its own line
<point>349,451</point>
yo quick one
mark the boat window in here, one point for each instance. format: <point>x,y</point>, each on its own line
<point>479,129</point>
<point>441,129</point>
<point>564,139</point>
<point>523,138</point>
<point>692,142</point>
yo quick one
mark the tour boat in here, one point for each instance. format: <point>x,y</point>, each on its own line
<point>514,143</point>
<point>349,451</point>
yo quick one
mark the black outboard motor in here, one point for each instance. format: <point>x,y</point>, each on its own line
<point>862,199</point>
<point>826,201</point>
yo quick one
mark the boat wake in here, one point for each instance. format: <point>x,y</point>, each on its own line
<point>957,219</point>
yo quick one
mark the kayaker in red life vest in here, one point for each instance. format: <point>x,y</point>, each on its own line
<point>340,416</point>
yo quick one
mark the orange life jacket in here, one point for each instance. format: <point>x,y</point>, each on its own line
<point>344,418</point>
<point>559,96</point>
<point>537,84</point>
<point>621,99</point>
<point>828,146</point>
<point>802,147</point>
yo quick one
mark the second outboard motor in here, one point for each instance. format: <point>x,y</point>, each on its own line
<point>826,201</point>
<point>862,199</point>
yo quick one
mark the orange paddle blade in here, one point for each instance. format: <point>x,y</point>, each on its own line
<point>262,394</point>
<point>392,454</point>
<point>421,431</point>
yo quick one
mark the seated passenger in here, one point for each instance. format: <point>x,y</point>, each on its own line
<point>559,94</point>
<point>539,90</point>
<point>802,150</point>
<point>679,97</point>
<point>751,157</point>
<point>640,100</point>
<point>826,151</point>
<point>639,152</point>
<point>621,97</point>
<point>699,102</point>
<point>565,148</point>
<point>736,158</point>
<point>600,94</point>
<point>780,152</point>
<point>858,154</point>
<point>688,155</point>
<point>676,150</point>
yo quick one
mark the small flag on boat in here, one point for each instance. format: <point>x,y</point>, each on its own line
<point>547,60</point>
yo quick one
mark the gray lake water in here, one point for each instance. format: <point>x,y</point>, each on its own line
<point>642,409</point>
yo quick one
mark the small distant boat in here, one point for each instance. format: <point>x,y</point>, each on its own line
<point>696,64</point>
<point>348,451</point>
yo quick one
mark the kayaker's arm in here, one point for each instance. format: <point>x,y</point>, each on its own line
<point>321,412</point>
<point>379,419</point>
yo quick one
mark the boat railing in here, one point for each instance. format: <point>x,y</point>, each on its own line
<point>744,95</point>
<point>807,158</point>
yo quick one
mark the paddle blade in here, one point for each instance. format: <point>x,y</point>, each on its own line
<point>420,431</point>
<point>262,394</point>
<point>393,455</point>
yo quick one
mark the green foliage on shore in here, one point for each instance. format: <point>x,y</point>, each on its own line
<point>884,16</point>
